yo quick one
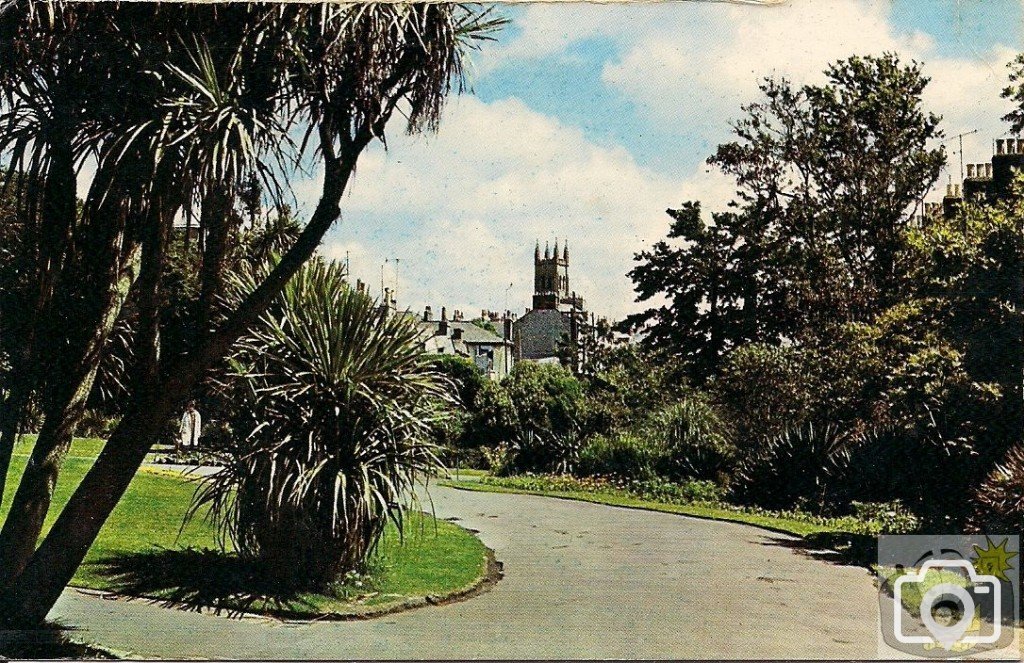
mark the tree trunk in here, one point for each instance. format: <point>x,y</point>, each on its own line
<point>59,210</point>
<point>63,409</point>
<point>27,600</point>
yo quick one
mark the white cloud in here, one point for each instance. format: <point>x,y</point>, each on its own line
<point>672,80</point>
<point>462,210</point>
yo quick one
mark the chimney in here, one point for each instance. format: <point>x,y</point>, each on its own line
<point>1000,146</point>
<point>949,190</point>
<point>970,171</point>
<point>957,192</point>
<point>1011,146</point>
<point>1020,146</point>
<point>988,171</point>
<point>442,329</point>
<point>507,328</point>
<point>428,314</point>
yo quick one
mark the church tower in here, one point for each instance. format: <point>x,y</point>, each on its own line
<point>550,278</point>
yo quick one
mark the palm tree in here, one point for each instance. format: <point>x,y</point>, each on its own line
<point>341,71</point>
<point>340,402</point>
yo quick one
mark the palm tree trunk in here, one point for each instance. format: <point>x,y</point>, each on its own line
<point>63,412</point>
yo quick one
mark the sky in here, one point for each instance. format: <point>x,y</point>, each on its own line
<point>587,121</point>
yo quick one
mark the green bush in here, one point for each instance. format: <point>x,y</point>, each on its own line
<point>620,455</point>
<point>886,517</point>
<point>499,459</point>
<point>695,440</point>
<point>928,476</point>
<point>687,492</point>
<point>535,412</point>
<point>762,391</point>
<point>791,469</point>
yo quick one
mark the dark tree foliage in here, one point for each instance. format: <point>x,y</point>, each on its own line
<point>828,180</point>
<point>716,298</point>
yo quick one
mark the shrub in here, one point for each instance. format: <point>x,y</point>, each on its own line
<point>499,459</point>
<point>534,411</point>
<point>342,404</point>
<point>218,436</point>
<point>695,440</point>
<point>999,502</point>
<point>928,476</point>
<point>687,492</point>
<point>886,517</point>
<point>763,390</point>
<point>794,467</point>
<point>543,451</point>
<point>621,455</point>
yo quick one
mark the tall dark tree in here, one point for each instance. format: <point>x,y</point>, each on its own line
<point>711,281</point>
<point>828,180</point>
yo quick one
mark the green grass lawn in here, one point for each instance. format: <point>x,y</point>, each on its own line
<point>436,558</point>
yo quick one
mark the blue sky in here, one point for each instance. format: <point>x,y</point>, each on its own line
<point>588,121</point>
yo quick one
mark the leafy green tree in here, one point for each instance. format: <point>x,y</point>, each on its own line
<point>714,296</point>
<point>625,384</point>
<point>828,179</point>
<point>838,172</point>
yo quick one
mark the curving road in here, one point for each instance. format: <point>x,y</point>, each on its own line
<point>581,581</point>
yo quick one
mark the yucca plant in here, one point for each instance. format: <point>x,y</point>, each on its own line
<point>695,438</point>
<point>999,501</point>
<point>794,468</point>
<point>341,402</point>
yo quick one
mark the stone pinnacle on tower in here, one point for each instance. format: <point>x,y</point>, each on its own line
<point>565,251</point>
<point>536,251</point>
<point>556,249</point>
<point>547,250</point>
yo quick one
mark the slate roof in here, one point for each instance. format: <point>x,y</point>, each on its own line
<point>471,334</point>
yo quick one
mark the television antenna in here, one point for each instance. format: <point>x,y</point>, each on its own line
<point>960,137</point>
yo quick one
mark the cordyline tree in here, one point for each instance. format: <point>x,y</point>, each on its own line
<point>177,105</point>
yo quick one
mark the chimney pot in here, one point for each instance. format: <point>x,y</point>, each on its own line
<point>1020,146</point>
<point>428,314</point>
<point>988,170</point>
<point>444,313</point>
<point>970,171</point>
<point>1011,146</point>
<point>956,190</point>
<point>949,190</point>
<point>1000,146</point>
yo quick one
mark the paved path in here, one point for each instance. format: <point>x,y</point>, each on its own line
<point>581,581</point>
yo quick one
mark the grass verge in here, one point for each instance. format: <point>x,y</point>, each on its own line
<point>839,540</point>
<point>773,523</point>
<point>143,547</point>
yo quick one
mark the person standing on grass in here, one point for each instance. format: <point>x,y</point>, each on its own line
<point>191,425</point>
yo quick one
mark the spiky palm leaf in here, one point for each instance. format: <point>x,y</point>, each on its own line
<point>342,404</point>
